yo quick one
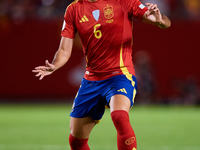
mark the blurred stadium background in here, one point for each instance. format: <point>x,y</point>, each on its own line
<point>34,114</point>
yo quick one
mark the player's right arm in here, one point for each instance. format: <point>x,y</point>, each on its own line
<point>150,14</point>
<point>154,17</point>
<point>61,57</point>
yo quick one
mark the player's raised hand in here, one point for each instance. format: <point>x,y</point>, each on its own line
<point>43,71</point>
<point>153,13</point>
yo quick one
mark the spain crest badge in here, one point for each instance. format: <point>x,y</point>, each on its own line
<point>108,12</point>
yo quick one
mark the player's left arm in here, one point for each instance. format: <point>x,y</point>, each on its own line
<point>154,17</point>
<point>61,58</point>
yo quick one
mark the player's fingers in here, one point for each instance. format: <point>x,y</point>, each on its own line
<point>51,66</point>
<point>154,10</point>
<point>39,67</point>
<point>42,68</point>
<point>36,71</point>
<point>39,74</point>
<point>149,5</point>
<point>157,11</point>
<point>41,77</point>
<point>154,6</point>
<point>47,63</point>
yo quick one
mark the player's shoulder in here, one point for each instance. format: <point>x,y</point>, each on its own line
<point>75,2</point>
<point>71,7</point>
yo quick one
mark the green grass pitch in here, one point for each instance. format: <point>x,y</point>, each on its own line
<point>46,127</point>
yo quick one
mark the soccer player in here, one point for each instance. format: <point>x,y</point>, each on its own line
<point>105,30</point>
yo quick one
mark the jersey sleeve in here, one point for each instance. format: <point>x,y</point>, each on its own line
<point>138,10</point>
<point>134,8</point>
<point>69,29</point>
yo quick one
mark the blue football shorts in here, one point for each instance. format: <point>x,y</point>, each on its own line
<point>93,96</point>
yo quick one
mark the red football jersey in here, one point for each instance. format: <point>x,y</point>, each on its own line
<point>105,30</point>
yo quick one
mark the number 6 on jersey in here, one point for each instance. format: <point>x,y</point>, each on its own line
<point>97,33</point>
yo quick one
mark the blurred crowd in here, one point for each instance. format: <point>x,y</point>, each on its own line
<point>20,10</point>
<point>184,91</point>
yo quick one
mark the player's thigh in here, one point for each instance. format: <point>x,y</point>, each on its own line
<point>81,127</point>
<point>119,102</point>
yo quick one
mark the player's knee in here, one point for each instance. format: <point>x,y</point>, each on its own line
<point>119,116</point>
<point>72,140</point>
<point>79,144</point>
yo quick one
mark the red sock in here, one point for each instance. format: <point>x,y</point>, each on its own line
<point>78,144</point>
<point>126,139</point>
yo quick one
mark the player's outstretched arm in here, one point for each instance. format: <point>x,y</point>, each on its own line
<point>154,17</point>
<point>61,57</point>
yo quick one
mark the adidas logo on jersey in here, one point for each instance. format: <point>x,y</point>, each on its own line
<point>122,90</point>
<point>84,19</point>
